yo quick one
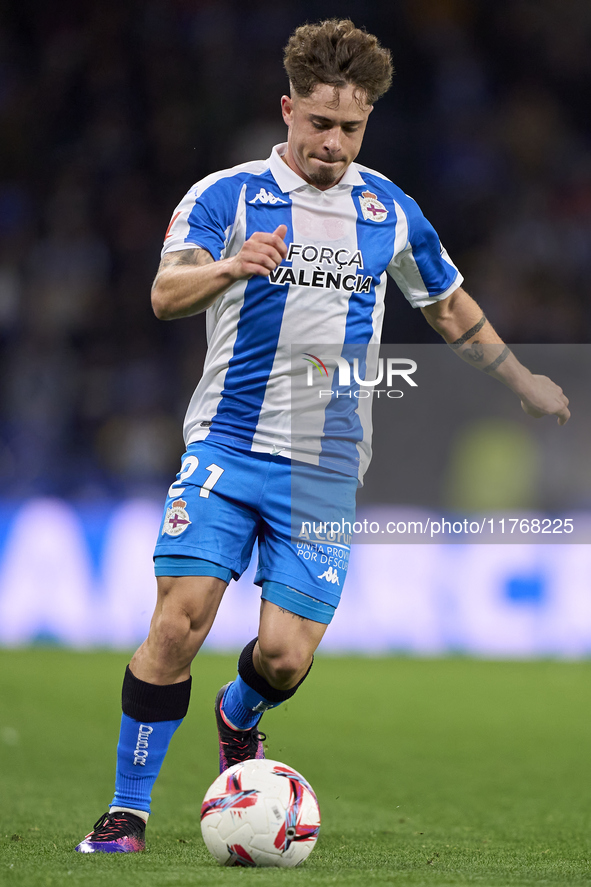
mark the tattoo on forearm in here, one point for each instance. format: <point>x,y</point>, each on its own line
<point>502,356</point>
<point>195,257</point>
<point>474,352</point>
<point>468,335</point>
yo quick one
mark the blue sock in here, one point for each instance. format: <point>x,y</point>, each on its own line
<point>140,753</point>
<point>243,707</point>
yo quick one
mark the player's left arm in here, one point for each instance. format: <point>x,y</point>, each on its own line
<point>461,322</point>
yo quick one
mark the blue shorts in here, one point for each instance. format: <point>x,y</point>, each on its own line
<point>224,500</point>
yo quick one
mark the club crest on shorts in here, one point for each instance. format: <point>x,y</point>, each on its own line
<point>371,207</point>
<point>176,520</point>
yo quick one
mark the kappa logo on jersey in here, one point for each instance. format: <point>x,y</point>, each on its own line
<point>371,207</point>
<point>330,575</point>
<point>267,197</point>
<point>177,519</point>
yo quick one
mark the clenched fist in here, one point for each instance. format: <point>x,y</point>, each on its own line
<point>260,254</point>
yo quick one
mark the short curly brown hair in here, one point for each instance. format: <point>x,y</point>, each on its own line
<point>336,52</point>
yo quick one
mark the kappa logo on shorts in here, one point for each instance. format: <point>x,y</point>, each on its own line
<point>330,575</point>
<point>371,207</point>
<point>267,197</point>
<point>177,519</point>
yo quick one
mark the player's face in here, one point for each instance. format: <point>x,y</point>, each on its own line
<point>324,137</point>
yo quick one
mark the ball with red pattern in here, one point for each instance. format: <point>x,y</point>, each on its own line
<point>260,813</point>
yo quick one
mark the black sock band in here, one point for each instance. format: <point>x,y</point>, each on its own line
<point>154,702</point>
<point>255,681</point>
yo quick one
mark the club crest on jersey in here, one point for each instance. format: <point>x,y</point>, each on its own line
<point>176,520</point>
<point>371,207</point>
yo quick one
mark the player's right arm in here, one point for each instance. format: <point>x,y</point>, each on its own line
<point>188,281</point>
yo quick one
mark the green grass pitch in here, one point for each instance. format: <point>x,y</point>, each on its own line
<point>433,772</point>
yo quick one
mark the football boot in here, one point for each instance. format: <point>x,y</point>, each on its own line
<point>236,745</point>
<point>115,833</point>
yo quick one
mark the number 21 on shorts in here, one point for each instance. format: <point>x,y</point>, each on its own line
<point>188,467</point>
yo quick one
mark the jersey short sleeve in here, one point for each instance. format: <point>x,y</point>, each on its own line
<point>206,214</point>
<point>421,267</point>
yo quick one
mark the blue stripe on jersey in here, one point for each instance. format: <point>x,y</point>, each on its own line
<point>259,325</point>
<point>437,274</point>
<point>213,213</point>
<point>342,427</point>
<point>375,240</point>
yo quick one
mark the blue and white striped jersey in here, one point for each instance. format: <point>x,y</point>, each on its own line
<point>330,289</point>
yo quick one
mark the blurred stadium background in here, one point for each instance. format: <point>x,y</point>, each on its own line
<point>108,112</point>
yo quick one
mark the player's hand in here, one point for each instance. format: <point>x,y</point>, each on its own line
<point>546,399</point>
<point>260,254</point>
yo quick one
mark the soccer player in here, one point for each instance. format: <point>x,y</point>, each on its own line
<point>281,251</point>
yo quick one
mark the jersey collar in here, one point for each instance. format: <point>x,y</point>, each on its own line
<point>288,180</point>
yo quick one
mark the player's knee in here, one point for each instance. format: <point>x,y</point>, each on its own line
<point>183,609</point>
<point>169,631</point>
<point>284,668</point>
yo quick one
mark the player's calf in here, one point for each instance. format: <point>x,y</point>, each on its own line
<point>239,707</point>
<point>151,715</point>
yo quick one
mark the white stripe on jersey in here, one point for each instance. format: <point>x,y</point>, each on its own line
<point>208,394</point>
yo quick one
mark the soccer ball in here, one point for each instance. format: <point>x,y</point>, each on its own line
<point>260,813</point>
